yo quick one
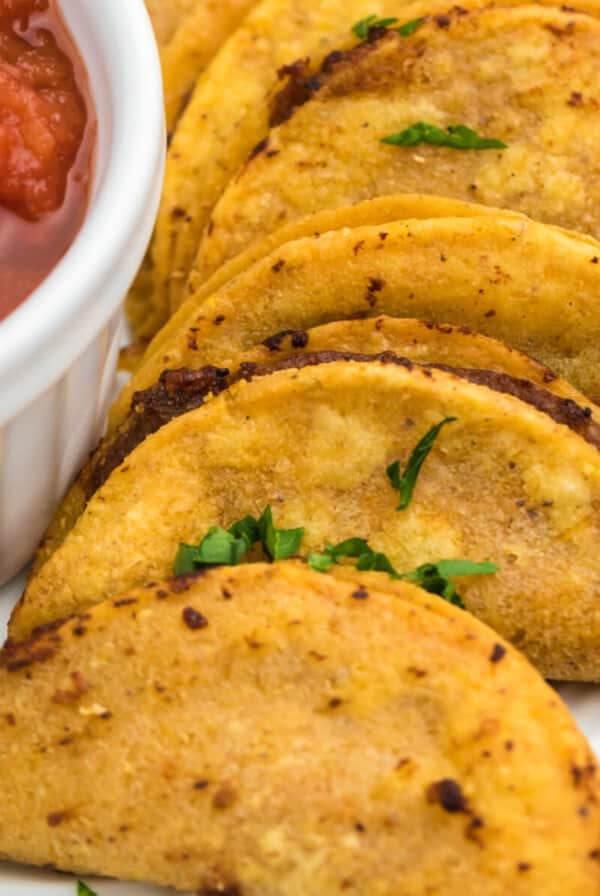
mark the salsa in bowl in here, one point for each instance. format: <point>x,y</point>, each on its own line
<point>47,140</point>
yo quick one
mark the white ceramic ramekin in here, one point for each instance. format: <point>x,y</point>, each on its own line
<point>58,350</point>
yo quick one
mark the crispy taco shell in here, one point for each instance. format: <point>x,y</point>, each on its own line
<point>536,60</point>
<point>371,211</point>
<point>189,33</point>
<point>227,114</point>
<point>515,480</point>
<point>178,391</point>
<point>532,286</point>
<point>266,729</point>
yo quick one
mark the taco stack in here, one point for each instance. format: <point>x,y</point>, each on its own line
<point>222,129</point>
<point>358,460</point>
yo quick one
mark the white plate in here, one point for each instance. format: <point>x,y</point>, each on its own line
<point>584,701</point>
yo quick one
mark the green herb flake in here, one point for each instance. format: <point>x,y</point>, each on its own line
<point>320,562</point>
<point>377,562</point>
<point>431,577</point>
<point>435,577</point>
<point>279,544</point>
<point>184,561</point>
<point>84,890</point>
<point>228,547</point>
<point>361,28</point>
<point>219,547</point>
<point>247,529</point>
<point>350,548</point>
<point>410,27</point>
<point>405,482</point>
<point>456,136</point>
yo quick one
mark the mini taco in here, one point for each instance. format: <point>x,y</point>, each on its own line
<point>505,276</point>
<point>500,133</point>
<point>226,116</point>
<point>371,211</point>
<point>237,718</point>
<point>189,33</point>
<point>513,480</point>
<point>178,391</point>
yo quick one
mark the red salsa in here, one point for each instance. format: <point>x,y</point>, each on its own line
<point>47,137</point>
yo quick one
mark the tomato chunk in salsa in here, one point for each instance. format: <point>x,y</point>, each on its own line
<point>46,145</point>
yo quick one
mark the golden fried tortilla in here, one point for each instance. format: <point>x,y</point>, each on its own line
<point>371,211</point>
<point>178,391</point>
<point>532,286</point>
<point>267,729</point>
<point>515,480</point>
<point>189,33</point>
<point>517,76</point>
<point>192,45</point>
<point>167,15</point>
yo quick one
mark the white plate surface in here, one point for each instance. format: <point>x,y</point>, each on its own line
<point>583,700</point>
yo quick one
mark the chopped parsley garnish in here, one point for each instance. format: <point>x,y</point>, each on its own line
<point>228,547</point>
<point>361,29</point>
<point>405,482</point>
<point>84,890</point>
<point>352,547</point>
<point>434,578</point>
<point>456,136</point>
<point>278,543</point>
<point>410,27</point>
<point>219,547</point>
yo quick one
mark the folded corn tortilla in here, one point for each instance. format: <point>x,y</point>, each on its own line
<point>515,480</point>
<point>504,276</point>
<point>271,729</point>
<point>522,76</point>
